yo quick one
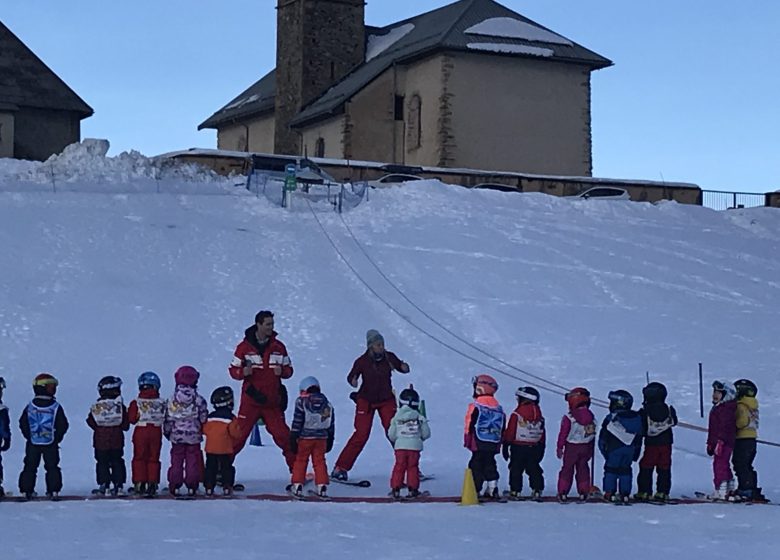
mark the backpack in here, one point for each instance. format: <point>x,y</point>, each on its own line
<point>41,420</point>
<point>490,423</point>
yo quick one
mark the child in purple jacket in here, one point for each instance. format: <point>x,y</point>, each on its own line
<point>185,415</point>
<point>721,436</point>
<point>576,444</point>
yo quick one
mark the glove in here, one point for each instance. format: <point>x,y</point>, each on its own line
<point>353,381</point>
<point>559,453</point>
<point>256,395</point>
<point>404,367</point>
<point>505,451</point>
<point>353,396</point>
<point>710,451</point>
<point>719,448</point>
<point>293,443</point>
<point>247,371</point>
<point>329,446</point>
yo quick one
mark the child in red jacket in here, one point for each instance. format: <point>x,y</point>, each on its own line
<point>721,437</point>
<point>109,421</point>
<point>147,413</point>
<point>576,444</point>
<point>524,441</point>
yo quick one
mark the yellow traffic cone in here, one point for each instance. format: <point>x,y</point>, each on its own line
<point>468,496</point>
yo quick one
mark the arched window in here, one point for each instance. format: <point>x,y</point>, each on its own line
<point>414,123</point>
<point>319,148</point>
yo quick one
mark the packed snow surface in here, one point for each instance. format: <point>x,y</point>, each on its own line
<point>377,44</point>
<point>592,293</point>
<point>512,28</point>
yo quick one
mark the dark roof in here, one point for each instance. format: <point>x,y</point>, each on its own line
<point>255,100</point>
<point>437,30</point>
<point>25,81</point>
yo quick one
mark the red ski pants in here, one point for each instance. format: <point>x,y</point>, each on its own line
<point>407,464</point>
<point>147,442</point>
<point>248,415</point>
<point>314,448</point>
<point>364,417</point>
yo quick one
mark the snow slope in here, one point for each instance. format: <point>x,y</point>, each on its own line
<point>579,292</point>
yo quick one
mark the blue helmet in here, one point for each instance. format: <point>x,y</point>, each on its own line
<point>149,379</point>
<point>307,383</point>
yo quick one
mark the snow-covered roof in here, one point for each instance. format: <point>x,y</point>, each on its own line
<point>512,28</point>
<point>377,44</point>
<point>513,49</point>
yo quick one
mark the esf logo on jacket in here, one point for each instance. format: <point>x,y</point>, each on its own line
<point>151,412</point>
<point>107,413</point>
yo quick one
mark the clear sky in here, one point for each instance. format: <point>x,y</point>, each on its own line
<point>694,94</point>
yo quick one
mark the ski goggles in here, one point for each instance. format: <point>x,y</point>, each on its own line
<point>577,393</point>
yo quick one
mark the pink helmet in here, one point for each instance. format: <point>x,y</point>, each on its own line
<point>186,375</point>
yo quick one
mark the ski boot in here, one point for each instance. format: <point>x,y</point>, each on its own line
<point>610,497</point>
<point>192,492</point>
<point>514,496</point>
<point>117,490</point>
<point>660,497</point>
<point>339,474</point>
<point>139,488</point>
<point>323,491</point>
<point>396,493</point>
<point>2,492</point>
<point>53,496</point>
<point>536,496</point>
<point>412,494</point>
<point>583,498</point>
<point>227,491</point>
<point>622,499</point>
<point>209,492</point>
<point>563,498</point>
<point>644,497</point>
<point>151,490</point>
<point>100,490</point>
<point>296,490</point>
<point>28,496</point>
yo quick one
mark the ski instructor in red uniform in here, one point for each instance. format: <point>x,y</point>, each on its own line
<point>261,362</point>
<point>375,368</point>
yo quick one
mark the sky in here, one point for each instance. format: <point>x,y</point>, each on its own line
<point>692,95</point>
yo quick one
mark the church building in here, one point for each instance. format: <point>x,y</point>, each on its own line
<point>470,85</point>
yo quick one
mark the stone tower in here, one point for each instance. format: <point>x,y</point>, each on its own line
<point>318,43</point>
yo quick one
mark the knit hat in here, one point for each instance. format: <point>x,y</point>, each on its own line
<point>373,336</point>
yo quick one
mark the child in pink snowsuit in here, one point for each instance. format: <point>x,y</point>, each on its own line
<point>575,444</point>
<point>721,437</point>
<point>185,415</point>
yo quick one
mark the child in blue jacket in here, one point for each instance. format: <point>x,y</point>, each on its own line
<point>620,442</point>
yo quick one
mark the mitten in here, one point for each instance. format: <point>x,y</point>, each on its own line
<point>719,448</point>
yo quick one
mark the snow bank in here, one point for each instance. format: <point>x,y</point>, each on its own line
<point>515,29</point>
<point>513,49</point>
<point>87,164</point>
<point>377,44</point>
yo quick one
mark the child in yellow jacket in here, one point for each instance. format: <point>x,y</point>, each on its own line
<point>745,445</point>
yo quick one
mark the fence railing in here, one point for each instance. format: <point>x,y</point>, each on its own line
<point>726,200</point>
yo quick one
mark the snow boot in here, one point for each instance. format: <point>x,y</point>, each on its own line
<point>151,490</point>
<point>323,491</point>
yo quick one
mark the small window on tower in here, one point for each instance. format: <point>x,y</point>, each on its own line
<point>319,148</point>
<point>399,107</point>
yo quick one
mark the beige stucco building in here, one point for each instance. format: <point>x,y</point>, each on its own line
<point>472,84</point>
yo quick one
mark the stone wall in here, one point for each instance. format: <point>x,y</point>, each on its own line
<point>318,43</point>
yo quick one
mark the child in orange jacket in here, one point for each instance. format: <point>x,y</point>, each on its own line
<point>222,431</point>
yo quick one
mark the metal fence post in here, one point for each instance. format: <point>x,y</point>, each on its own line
<point>701,392</point>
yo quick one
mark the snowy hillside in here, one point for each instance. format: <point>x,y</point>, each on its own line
<point>578,292</point>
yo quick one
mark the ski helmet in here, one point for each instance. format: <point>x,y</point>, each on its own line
<point>410,398</point>
<point>620,400</point>
<point>654,392</point>
<point>186,375</point>
<point>109,386</point>
<point>726,389</point>
<point>484,385</point>
<point>528,393</point>
<point>307,383</point>
<point>577,397</point>
<point>45,384</point>
<point>148,379</point>
<point>745,388</point>
<point>222,397</point>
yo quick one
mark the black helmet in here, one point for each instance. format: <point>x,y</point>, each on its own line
<point>620,400</point>
<point>745,388</point>
<point>654,392</point>
<point>528,393</point>
<point>410,398</point>
<point>222,397</point>
<point>109,386</point>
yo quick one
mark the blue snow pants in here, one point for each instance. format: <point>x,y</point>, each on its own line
<point>617,471</point>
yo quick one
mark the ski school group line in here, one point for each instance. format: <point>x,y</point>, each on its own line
<point>261,362</point>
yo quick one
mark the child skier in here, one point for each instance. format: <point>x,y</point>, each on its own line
<point>408,429</point>
<point>147,413</point>
<point>311,436</point>
<point>620,442</point>
<point>184,418</point>
<point>745,445</point>
<point>43,425</point>
<point>524,442</point>
<point>222,431</point>
<point>721,436</point>
<point>109,422</point>
<point>485,420</point>
<point>575,444</point>
<point>658,419</point>
<point>5,434</point>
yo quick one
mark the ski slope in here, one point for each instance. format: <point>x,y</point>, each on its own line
<point>112,277</point>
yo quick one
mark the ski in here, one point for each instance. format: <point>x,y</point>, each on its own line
<point>317,496</point>
<point>355,483</point>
